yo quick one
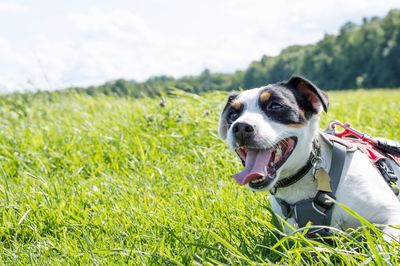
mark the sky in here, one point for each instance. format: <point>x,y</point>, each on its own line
<point>48,44</point>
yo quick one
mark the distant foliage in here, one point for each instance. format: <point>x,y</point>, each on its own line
<point>359,56</point>
<point>363,56</point>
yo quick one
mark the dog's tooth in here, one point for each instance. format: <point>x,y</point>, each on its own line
<point>258,180</point>
<point>278,154</point>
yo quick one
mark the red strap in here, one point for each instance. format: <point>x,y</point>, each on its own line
<point>373,153</point>
<point>349,137</point>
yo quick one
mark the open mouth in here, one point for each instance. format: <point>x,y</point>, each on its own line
<point>261,165</point>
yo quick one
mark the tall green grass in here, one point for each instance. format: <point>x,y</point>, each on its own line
<point>103,180</point>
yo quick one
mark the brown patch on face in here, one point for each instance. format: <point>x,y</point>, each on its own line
<point>236,105</point>
<point>302,116</point>
<point>265,96</point>
<point>303,120</point>
<point>296,125</point>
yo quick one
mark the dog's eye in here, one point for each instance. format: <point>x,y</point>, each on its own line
<point>275,106</point>
<point>232,116</point>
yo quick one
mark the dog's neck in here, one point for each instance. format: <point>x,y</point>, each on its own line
<point>306,187</point>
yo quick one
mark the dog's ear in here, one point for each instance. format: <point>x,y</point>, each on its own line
<point>223,124</point>
<point>319,100</point>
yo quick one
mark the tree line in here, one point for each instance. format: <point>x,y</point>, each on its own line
<point>359,56</point>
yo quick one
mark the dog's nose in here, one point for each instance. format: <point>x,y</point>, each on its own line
<point>243,130</point>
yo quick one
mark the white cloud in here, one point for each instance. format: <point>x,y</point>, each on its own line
<point>114,44</point>
<point>13,8</point>
<point>10,65</point>
<point>116,24</point>
<point>282,23</point>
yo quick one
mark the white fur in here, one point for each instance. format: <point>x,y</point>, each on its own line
<point>362,189</point>
<point>253,116</point>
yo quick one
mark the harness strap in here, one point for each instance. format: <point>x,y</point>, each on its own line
<point>318,210</point>
<point>322,200</point>
<point>339,153</point>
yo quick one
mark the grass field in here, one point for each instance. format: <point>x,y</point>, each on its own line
<point>102,180</point>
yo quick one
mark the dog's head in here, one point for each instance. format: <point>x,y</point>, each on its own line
<point>271,129</point>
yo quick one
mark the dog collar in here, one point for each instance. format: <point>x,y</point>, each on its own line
<point>311,162</point>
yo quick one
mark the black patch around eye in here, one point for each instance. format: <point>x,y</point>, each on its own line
<point>229,109</point>
<point>233,114</point>
<point>285,116</point>
<point>304,104</point>
<point>231,98</point>
<point>282,107</point>
<point>275,106</point>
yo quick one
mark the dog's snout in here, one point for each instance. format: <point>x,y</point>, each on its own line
<point>243,130</point>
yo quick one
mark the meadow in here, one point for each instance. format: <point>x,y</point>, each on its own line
<point>107,180</point>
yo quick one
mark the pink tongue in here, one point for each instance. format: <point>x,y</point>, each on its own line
<point>256,162</point>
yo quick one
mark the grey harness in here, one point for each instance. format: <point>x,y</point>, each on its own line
<point>318,210</point>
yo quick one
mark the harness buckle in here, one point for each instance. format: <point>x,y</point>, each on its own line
<point>323,201</point>
<point>388,174</point>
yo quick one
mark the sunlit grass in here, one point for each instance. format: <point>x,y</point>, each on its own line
<point>102,180</point>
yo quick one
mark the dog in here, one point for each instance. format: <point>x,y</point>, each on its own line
<point>273,130</point>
